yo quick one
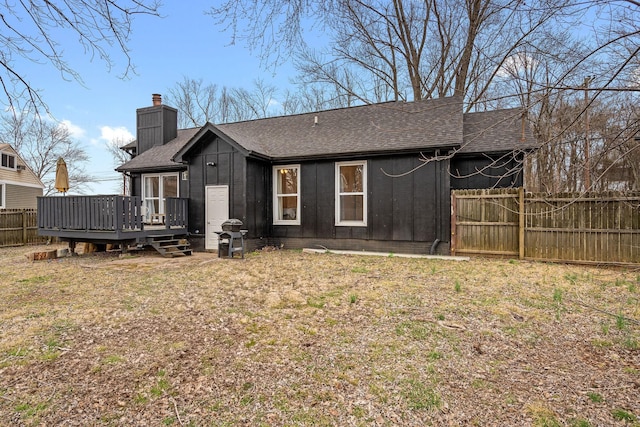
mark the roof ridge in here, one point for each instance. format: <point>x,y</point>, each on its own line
<point>350,108</point>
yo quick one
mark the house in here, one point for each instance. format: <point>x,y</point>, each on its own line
<point>371,177</point>
<point>19,185</point>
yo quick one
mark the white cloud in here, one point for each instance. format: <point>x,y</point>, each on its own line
<point>515,64</point>
<point>76,131</point>
<point>119,135</point>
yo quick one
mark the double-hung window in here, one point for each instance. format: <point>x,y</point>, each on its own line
<point>286,195</point>
<point>8,161</point>
<point>351,193</point>
<point>155,189</point>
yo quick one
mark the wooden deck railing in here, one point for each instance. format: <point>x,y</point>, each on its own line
<point>95,213</point>
<point>177,213</point>
<point>104,213</point>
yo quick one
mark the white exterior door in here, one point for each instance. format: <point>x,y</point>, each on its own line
<point>217,212</point>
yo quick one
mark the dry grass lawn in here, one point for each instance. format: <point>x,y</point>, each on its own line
<point>285,338</point>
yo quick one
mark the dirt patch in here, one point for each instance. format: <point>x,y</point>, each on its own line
<point>287,338</point>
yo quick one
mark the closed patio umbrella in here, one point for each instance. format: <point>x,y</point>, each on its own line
<point>62,176</point>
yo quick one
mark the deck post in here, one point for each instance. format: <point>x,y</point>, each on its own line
<point>119,212</point>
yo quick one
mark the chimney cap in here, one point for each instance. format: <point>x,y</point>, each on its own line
<point>156,98</point>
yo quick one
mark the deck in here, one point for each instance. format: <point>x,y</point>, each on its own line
<point>108,219</point>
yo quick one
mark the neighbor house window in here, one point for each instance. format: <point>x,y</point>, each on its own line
<point>155,189</point>
<point>351,193</point>
<point>2,190</point>
<point>8,161</point>
<point>286,195</point>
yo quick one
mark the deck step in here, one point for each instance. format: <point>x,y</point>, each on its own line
<point>170,247</point>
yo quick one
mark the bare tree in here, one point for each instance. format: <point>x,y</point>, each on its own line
<point>40,143</point>
<point>198,103</point>
<point>538,55</point>
<point>417,49</point>
<point>120,156</point>
<point>251,104</point>
<point>32,31</point>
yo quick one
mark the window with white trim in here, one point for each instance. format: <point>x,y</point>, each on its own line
<point>286,195</point>
<point>2,192</point>
<point>351,193</point>
<point>8,160</point>
<point>155,189</point>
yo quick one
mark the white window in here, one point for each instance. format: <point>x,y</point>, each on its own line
<point>286,195</point>
<point>8,161</point>
<point>2,191</point>
<point>155,189</point>
<point>351,193</point>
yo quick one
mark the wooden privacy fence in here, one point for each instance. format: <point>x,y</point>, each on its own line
<point>592,228</point>
<point>19,227</point>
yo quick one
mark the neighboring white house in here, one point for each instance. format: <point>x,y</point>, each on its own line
<point>19,185</point>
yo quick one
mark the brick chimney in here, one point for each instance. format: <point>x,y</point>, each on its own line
<point>156,125</point>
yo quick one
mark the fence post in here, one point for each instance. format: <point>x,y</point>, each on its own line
<point>453,223</point>
<point>521,217</point>
<point>24,227</point>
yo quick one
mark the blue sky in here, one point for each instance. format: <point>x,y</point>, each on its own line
<point>185,42</point>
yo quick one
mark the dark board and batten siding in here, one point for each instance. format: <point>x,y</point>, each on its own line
<point>471,172</point>
<point>409,211</point>
<point>318,211</point>
<point>218,163</point>
<point>258,200</point>
<point>155,124</point>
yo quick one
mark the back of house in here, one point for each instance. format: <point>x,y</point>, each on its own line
<point>370,177</point>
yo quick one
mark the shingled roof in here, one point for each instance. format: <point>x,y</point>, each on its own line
<point>389,127</point>
<point>160,157</point>
<point>496,131</point>
<point>375,128</point>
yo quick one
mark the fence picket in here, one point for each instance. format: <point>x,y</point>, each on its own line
<point>19,227</point>
<point>593,228</point>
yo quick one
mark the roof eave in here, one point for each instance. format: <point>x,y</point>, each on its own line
<point>166,168</point>
<point>363,154</point>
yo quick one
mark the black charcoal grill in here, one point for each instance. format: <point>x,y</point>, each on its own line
<point>231,238</point>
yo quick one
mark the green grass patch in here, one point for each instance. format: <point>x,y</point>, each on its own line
<point>35,280</point>
<point>457,287</point>
<point>162,386</point>
<point>29,410</point>
<point>420,396</point>
<point>631,343</point>
<point>621,322</point>
<point>595,397</point>
<point>416,330</point>
<point>624,415</point>
<point>113,359</point>
<point>317,302</point>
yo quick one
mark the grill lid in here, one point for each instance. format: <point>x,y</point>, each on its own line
<point>232,224</point>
